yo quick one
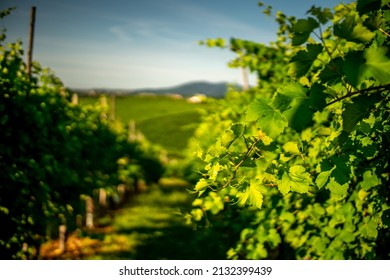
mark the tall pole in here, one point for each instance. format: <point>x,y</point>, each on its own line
<point>245,82</point>
<point>244,73</point>
<point>31,40</point>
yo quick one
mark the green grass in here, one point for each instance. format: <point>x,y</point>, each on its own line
<point>163,120</point>
<point>152,227</point>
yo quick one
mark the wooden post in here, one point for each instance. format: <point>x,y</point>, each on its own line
<point>31,40</point>
<point>75,99</point>
<point>121,192</point>
<point>245,82</point>
<point>132,134</point>
<point>89,212</point>
<point>112,107</point>
<point>102,198</point>
<point>62,238</point>
<point>103,103</point>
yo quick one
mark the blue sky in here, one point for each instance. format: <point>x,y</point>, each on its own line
<point>143,43</point>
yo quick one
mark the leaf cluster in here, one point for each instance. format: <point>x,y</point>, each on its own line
<point>306,157</point>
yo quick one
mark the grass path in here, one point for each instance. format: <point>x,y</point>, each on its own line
<point>151,226</point>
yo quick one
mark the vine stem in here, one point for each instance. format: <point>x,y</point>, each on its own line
<point>384,32</point>
<point>358,92</point>
<point>248,152</point>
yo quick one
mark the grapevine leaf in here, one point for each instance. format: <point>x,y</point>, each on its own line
<point>296,179</point>
<point>353,31</point>
<point>366,6</point>
<point>331,73</point>
<point>323,15</point>
<point>341,173</point>
<point>291,148</point>
<point>370,180</point>
<point>336,188</point>
<point>238,129</point>
<point>4,210</point>
<point>302,29</point>
<point>386,218</point>
<point>369,229</point>
<point>356,111</point>
<point>317,97</point>
<point>353,68</point>
<point>347,236</point>
<point>305,25</point>
<point>295,105</point>
<point>201,186</point>
<point>269,119</point>
<point>285,185</point>
<point>252,195</point>
<point>302,61</point>
<point>323,178</point>
<point>211,43</point>
<point>213,203</point>
<point>227,138</point>
<point>378,64</point>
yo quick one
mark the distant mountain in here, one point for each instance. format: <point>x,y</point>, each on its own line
<point>216,90</point>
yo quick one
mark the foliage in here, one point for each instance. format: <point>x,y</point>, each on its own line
<point>53,153</point>
<point>302,159</point>
<point>163,120</point>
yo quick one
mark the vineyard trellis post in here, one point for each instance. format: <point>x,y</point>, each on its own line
<point>31,40</point>
<point>112,107</point>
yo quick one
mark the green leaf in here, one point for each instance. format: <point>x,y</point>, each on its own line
<point>201,186</point>
<point>317,97</point>
<point>341,171</point>
<point>353,31</point>
<point>332,72</point>
<point>238,129</point>
<point>323,15</point>
<point>296,179</point>
<point>305,25</point>
<point>213,203</point>
<point>269,120</point>
<point>302,29</point>
<point>353,67</point>
<point>323,178</point>
<point>4,210</point>
<point>291,148</point>
<point>369,229</point>
<point>357,111</point>
<point>253,195</point>
<point>336,188</point>
<point>386,218</point>
<point>227,138</point>
<point>377,64</point>
<point>347,236</point>
<point>295,106</point>
<point>370,180</point>
<point>302,61</point>
<point>366,6</point>
<point>211,43</point>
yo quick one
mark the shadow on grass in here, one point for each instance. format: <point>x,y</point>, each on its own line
<point>152,227</point>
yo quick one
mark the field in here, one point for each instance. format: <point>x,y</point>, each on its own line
<point>164,120</point>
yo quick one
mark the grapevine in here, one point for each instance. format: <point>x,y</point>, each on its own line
<point>301,160</point>
<point>54,154</point>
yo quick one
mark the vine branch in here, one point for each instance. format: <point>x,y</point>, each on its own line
<point>385,87</point>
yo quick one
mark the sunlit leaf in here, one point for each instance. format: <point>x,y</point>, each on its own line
<point>268,119</point>
<point>378,64</point>
<point>303,60</point>
<point>296,180</point>
<point>252,195</point>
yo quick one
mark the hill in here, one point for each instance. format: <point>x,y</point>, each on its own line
<point>216,90</point>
